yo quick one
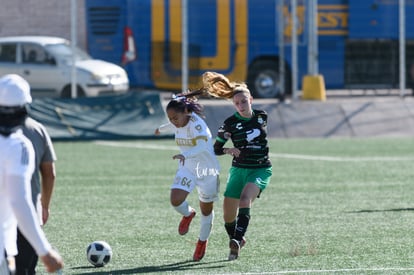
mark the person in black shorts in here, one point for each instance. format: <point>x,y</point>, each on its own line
<point>42,183</point>
<point>251,168</point>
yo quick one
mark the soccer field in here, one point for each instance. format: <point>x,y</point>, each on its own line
<point>334,206</point>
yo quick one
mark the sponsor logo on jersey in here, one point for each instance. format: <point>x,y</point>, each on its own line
<point>185,142</point>
<point>189,141</point>
<point>252,134</point>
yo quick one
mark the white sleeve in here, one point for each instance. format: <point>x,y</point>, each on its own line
<point>200,147</point>
<point>168,127</point>
<point>18,191</point>
<point>10,233</point>
<point>20,167</point>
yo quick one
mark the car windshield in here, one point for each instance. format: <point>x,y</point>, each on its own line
<point>64,52</point>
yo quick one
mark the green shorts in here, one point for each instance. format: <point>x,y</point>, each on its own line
<point>239,177</point>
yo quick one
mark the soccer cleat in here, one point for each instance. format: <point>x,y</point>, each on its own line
<point>234,246</point>
<point>185,223</point>
<point>200,250</point>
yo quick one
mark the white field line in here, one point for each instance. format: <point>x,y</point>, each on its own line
<point>272,155</point>
<point>289,156</point>
<point>137,145</point>
<point>343,159</point>
<point>328,271</point>
<point>118,179</point>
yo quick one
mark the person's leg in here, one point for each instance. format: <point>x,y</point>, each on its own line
<point>240,225</point>
<point>206,224</point>
<point>178,201</point>
<point>230,207</point>
<point>26,259</point>
<point>207,217</point>
<point>208,192</point>
<point>184,183</point>
<point>249,193</point>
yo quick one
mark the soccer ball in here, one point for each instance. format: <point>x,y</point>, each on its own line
<point>99,253</point>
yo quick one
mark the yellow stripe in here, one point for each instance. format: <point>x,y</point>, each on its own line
<point>239,72</point>
<point>332,7</point>
<point>221,61</point>
<point>201,137</point>
<point>157,20</point>
<point>332,32</point>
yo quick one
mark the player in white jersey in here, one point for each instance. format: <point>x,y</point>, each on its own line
<point>197,167</point>
<point>16,169</point>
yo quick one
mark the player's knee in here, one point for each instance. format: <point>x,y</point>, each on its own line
<point>175,201</point>
<point>245,202</point>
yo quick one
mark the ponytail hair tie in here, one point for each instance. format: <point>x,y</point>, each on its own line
<point>178,97</point>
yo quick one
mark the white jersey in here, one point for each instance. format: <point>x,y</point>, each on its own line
<point>186,138</point>
<point>201,167</point>
<point>16,169</point>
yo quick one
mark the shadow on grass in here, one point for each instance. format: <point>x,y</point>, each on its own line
<point>180,266</point>
<point>382,210</point>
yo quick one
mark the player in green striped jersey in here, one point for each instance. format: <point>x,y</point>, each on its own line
<point>251,168</point>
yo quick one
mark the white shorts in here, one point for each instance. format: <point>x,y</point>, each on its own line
<point>208,185</point>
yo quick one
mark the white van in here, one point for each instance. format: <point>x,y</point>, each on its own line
<point>46,63</point>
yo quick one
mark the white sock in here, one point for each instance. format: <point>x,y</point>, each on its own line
<point>206,225</point>
<point>184,209</point>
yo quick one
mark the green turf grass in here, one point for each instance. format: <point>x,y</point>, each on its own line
<point>340,206</point>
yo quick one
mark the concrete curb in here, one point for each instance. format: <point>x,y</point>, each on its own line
<point>350,116</point>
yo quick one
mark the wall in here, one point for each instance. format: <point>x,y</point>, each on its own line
<point>42,17</point>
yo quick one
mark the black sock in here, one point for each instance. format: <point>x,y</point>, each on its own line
<point>230,228</point>
<point>242,223</point>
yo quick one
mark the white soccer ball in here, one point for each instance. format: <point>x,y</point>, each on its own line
<point>99,253</point>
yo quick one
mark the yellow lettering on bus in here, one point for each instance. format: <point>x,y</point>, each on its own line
<point>332,19</point>
<point>300,17</point>
<point>221,61</point>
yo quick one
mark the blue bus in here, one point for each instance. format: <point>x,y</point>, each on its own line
<point>358,42</point>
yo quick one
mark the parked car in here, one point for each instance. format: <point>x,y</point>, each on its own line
<point>46,63</point>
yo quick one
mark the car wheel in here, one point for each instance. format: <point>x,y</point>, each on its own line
<point>67,92</point>
<point>264,80</point>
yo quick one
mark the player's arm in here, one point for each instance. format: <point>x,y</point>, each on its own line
<point>18,191</point>
<point>167,127</point>
<point>48,176</point>
<point>24,211</point>
<point>201,146</point>
<point>222,136</point>
<point>25,214</point>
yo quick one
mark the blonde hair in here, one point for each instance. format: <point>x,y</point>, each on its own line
<point>217,85</point>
